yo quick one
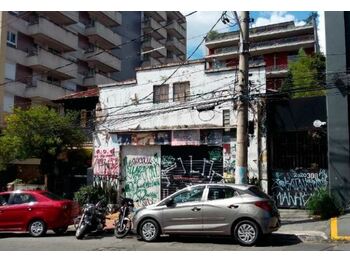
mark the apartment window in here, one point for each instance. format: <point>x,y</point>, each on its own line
<point>11,39</point>
<point>181,91</point>
<point>160,93</point>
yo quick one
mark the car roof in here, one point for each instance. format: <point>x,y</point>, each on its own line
<point>242,187</point>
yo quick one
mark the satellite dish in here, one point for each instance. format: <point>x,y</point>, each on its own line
<point>318,123</point>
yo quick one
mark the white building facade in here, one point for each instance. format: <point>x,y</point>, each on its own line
<point>157,134</point>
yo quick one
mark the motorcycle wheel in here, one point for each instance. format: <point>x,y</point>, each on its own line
<point>122,230</point>
<point>80,233</point>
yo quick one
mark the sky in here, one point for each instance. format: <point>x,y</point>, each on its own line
<point>201,22</point>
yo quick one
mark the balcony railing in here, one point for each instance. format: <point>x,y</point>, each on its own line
<point>102,36</point>
<point>266,44</point>
<point>44,61</point>
<point>176,29</point>
<point>45,90</point>
<point>102,59</point>
<point>276,68</point>
<point>107,18</point>
<point>151,26</point>
<point>57,37</point>
<point>62,17</point>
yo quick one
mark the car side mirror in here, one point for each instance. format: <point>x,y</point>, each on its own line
<point>170,202</point>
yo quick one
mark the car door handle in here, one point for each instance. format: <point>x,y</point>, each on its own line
<point>29,209</point>
<point>233,206</point>
<point>195,209</point>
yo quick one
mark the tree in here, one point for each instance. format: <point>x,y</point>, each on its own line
<point>213,34</point>
<point>306,76</point>
<point>39,132</point>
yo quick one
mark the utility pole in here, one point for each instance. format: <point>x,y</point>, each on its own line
<point>242,103</point>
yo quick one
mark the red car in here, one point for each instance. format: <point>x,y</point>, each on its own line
<point>36,212</point>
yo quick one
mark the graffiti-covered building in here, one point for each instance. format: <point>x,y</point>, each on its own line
<point>175,125</point>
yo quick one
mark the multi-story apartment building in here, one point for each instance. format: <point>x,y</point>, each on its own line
<point>52,54</point>
<point>276,45</point>
<point>164,38</point>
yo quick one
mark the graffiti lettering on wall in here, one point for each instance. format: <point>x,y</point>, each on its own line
<point>293,188</point>
<point>142,179</point>
<point>106,162</point>
<point>187,137</point>
<point>179,169</point>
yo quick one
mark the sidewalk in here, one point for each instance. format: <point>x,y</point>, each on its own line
<point>299,223</point>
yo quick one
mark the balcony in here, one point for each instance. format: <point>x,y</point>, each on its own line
<point>259,34</point>
<point>266,47</point>
<point>154,28</point>
<point>102,36</point>
<point>16,88</point>
<point>175,29</point>
<point>43,90</point>
<point>45,62</point>
<point>150,62</point>
<point>107,18</point>
<point>157,50</point>
<point>159,16</point>
<point>102,60</point>
<point>95,79</point>
<point>176,46</point>
<point>62,17</point>
<point>16,55</point>
<point>44,31</point>
<point>277,70</point>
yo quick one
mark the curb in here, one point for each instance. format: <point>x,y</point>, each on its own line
<point>307,235</point>
<point>334,231</point>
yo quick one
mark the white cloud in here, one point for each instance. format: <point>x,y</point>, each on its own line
<point>277,17</point>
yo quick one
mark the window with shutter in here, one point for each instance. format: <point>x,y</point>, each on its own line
<point>160,93</point>
<point>181,91</point>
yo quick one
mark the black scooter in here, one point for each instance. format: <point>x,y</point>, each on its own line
<point>92,219</point>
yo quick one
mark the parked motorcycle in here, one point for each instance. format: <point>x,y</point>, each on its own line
<point>123,224</point>
<point>92,219</point>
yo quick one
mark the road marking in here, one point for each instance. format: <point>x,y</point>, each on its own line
<point>334,230</point>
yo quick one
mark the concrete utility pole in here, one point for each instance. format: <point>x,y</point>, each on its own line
<point>3,37</point>
<point>242,103</point>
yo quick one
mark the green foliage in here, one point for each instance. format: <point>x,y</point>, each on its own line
<point>321,203</point>
<point>213,34</point>
<point>306,76</point>
<point>89,194</point>
<point>38,132</point>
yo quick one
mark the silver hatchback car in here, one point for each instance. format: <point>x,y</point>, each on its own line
<point>241,211</point>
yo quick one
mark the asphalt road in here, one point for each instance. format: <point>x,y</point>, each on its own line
<point>107,242</point>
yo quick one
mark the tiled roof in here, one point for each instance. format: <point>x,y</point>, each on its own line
<point>81,94</point>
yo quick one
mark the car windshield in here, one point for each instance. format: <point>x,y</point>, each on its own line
<point>52,196</point>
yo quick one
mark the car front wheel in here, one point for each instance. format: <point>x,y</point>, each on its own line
<point>37,228</point>
<point>149,230</point>
<point>246,233</point>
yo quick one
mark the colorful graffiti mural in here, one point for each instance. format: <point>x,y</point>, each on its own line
<point>293,188</point>
<point>182,166</point>
<point>142,179</point>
